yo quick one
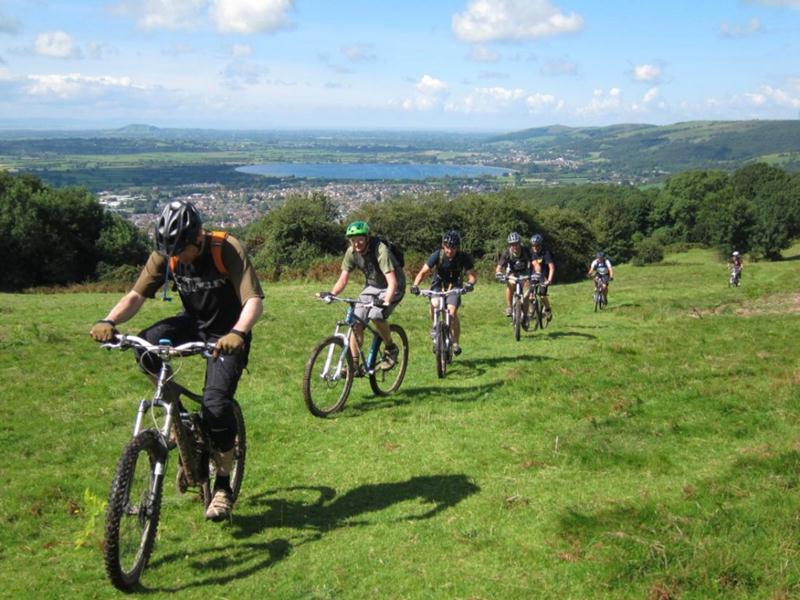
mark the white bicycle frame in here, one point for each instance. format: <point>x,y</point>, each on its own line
<point>350,318</point>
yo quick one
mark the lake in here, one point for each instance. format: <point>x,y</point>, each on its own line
<point>371,171</point>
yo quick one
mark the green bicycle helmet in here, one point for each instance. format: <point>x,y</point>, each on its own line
<point>357,228</point>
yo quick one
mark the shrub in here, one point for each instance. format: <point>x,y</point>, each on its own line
<point>647,252</point>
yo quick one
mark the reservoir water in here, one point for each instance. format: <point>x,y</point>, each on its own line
<point>370,171</point>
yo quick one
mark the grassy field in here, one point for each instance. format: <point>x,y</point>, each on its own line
<point>648,451</point>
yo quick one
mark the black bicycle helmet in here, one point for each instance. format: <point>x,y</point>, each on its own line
<point>177,227</point>
<point>452,239</point>
<point>536,240</point>
<point>514,238</point>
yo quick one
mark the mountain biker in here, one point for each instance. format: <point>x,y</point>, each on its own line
<point>217,307</point>
<point>735,265</point>
<point>450,264</point>
<point>515,260</point>
<point>385,286</point>
<point>544,269</point>
<point>602,269</point>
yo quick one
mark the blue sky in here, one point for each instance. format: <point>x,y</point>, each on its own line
<point>495,65</point>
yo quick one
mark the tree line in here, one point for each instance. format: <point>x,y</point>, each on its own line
<point>755,210</point>
<point>62,235</point>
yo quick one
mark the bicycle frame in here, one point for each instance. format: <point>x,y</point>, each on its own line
<point>175,419</point>
<point>369,362</point>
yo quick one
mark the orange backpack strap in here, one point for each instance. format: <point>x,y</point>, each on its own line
<point>217,240</point>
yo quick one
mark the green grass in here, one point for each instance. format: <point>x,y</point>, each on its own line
<point>650,450</point>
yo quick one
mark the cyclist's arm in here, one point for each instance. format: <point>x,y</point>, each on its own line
<point>551,272</point>
<point>391,286</point>
<point>341,283</point>
<point>251,312</point>
<point>471,276</point>
<point>126,308</point>
<point>423,272</point>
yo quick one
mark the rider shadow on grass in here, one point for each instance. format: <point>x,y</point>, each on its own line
<point>289,508</point>
<point>414,395</point>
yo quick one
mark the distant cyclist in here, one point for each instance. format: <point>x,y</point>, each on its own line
<point>602,269</point>
<point>735,266</point>
<point>544,269</point>
<point>515,260</point>
<point>385,286</point>
<point>450,265</point>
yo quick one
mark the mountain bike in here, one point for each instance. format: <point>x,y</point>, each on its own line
<point>599,297</point>
<point>518,317</point>
<point>735,278</point>
<point>440,331</point>
<point>134,503</point>
<point>330,368</point>
<point>535,304</point>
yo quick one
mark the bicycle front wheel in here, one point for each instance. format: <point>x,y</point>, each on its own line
<point>328,377</point>
<point>537,314</point>
<point>517,318</point>
<point>133,509</point>
<point>385,382</point>
<point>441,350</point>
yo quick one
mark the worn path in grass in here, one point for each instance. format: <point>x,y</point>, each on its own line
<point>650,450</point>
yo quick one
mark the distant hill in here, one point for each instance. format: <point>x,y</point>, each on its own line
<point>667,148</point>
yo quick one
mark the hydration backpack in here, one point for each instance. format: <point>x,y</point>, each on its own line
<point>396,250</point>
<point>217,239</point>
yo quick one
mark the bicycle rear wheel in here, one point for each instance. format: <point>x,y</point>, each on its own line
<point>134,505</point>
<point>328,377</point>
<point>387,382</point>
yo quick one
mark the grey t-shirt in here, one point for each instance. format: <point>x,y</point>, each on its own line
<point>376,261</point>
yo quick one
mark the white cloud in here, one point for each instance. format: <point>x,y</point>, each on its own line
<point>430,93</point>
<point>646,73</point>
<point>559,66</point>
<point>240,73</point>
<point>488,20</point>
<point>483,54</point>
<point>56,44</point>
<point>251,16</point>
<point>650,95</point>
<point>359,52</point>
<point>73,85</point>
<point>790,3</point>
<point>241,50</point>
<point>430,86</point>
<point>770,96</point>
<point>168,14</point>
<point>737,31</point>
<point>603,102</point>
<point>9,25</point>
<point>487,100</point>
<point>538,102</point>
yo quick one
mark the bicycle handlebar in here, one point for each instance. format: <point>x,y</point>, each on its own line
<point>435,294</point>
<point>351,301</point>
<point>123,342</point>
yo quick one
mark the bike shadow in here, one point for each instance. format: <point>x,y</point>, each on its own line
<point>554,335</point>
<point>288,508</point>
<point>413,394</point>
<point>473,367</point>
